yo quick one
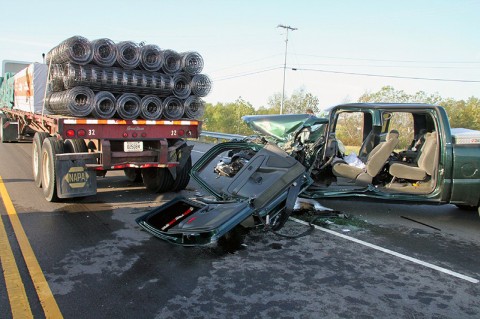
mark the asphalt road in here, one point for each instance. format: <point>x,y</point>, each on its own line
<point>407,261</point>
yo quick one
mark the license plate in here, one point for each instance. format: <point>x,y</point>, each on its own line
<point>133,146</point>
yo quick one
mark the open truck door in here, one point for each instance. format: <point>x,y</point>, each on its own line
<point>259,187</point>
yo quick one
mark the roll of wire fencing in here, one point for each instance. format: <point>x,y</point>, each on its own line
<point>151,107</point>
<point>55,83</point>
<point>172,62</point>
<point>78,101</point>
<point>201,85</point>
<point>104,52</point>
<point>170,83</point>
<point>104,105</point>
<point>128,106</point>
<point>173,108</point>
<point>151,57</point>
<point>181,85</point>
<point>194,107</point>
<point>191,63</point>
<point>76,49</point>
<point>128,55</point>
<point>117,80</point>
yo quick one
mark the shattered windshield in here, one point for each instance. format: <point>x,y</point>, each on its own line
<point>282,128</point>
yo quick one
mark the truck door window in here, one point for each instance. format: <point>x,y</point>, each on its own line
<point>403,123</point>
<point>349,130</point>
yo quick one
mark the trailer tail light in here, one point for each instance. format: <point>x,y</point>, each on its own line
<point>125,134</point>
<point>134,134</point>
<point>181,132</point>
<point>81,133</point>
<point>70,133</point>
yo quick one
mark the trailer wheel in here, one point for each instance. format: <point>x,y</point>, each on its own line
<point>51,147</point>
<point>183,177</point>
<point>1,128</point>
<point>157,180</point>
<point>133,175</point>
<point>36,157</point>
<point>76,145</point>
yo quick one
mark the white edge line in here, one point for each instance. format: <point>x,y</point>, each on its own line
<point>391,252</point>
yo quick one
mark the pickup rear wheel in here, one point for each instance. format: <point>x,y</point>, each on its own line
<point>157,180</point>
<point>38,139</point>
<point>51,147</point>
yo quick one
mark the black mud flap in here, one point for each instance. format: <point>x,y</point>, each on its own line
<point>260,188</point>
<point>8,130</point>
<point>72,177</point>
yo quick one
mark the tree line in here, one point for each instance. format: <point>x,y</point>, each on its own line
<point>226,117</point>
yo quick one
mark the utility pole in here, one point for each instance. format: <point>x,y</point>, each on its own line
<point>287,28</point>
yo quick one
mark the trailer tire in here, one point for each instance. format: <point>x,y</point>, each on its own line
<point>157,180</point>
<point>1,127</point>
<point>51,147</point>
<point>133,175</point>
<point>183,176</point>
<point>75,145</point>
<point>38,139</point>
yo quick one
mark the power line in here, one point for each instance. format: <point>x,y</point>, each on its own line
<point>248,62</point>
<point>390,66</point>
<point>228,77</point>
<point>234,76</point>
<point>387,76</point>
<point>385,60</point>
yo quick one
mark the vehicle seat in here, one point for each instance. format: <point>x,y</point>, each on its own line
<point>419,140</point>
<point>375,162</point>
<point>424,164</point>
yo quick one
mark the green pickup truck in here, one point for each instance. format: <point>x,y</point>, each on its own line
<point>401,152</point>
<point>396,152</point>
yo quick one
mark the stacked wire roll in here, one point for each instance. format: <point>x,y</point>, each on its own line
<point>78,101</point>
<point>104,79</point>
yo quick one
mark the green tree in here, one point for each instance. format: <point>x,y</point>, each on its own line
<point>226,117</point>
<point>388,94</point>
<point>297,103</point>
<point>461,113</point>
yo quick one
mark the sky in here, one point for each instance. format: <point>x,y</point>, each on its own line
<point>340,50</point>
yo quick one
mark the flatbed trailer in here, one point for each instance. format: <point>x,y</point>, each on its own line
<point>68,153</point>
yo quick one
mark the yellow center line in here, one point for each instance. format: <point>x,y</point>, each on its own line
<point>15,288</point>
<point>44,293</point>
